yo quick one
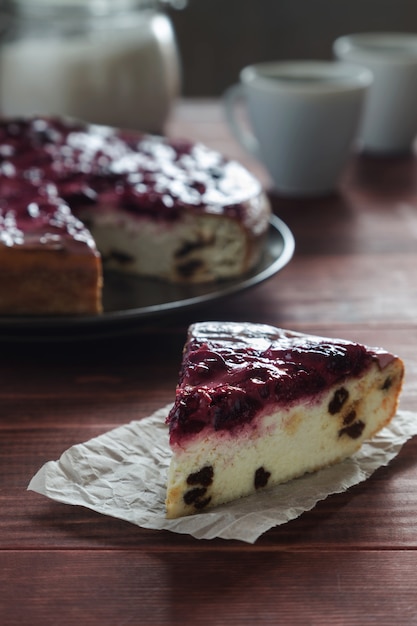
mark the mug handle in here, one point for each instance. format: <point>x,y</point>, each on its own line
<point>247,139</point>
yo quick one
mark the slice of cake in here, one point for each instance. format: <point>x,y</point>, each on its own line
<point>172,210</point>
<point>257,406</point>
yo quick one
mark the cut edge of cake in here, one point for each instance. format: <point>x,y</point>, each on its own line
<point>195,249</point>
<point>50,282</point>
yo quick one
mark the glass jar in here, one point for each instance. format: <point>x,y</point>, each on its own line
<point>109,62</point>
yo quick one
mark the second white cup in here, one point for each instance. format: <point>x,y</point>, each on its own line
<point>390,119</point>
<point>304,116</point>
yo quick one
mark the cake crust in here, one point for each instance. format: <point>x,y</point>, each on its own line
<point>257,406</point>
<point>49,263</point>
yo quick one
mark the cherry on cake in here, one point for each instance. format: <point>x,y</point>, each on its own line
<point>76,195</point>
<point>257,406</point>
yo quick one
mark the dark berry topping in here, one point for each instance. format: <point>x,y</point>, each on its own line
<point>94,166</point>
<point>203,363</point>
<point>231,371</point>
<point>231,407</point>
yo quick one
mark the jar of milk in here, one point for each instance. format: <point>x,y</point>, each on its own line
<point>109,62</point>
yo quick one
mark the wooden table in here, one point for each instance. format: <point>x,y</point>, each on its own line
<point>350,561</point>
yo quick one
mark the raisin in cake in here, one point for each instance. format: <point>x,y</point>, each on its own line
<point>257,406</point>
<point>73,195</point>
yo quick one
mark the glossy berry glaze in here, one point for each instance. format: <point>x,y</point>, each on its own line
<point>48,165</point>
<point>232,371</point>
<point>37,217</point>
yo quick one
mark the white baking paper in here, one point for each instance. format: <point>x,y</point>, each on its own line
<point>123,474</point>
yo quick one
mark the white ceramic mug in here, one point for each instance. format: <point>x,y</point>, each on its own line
<point>304,116</point>
<point>389,123</point>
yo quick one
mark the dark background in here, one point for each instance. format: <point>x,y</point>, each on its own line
<point>217,38</point>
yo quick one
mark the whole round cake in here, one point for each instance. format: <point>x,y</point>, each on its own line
<point>74,196</point>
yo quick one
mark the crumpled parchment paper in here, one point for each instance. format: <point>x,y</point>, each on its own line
<point>123,474</point>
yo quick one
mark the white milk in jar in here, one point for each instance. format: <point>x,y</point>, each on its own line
<point>104,61</point>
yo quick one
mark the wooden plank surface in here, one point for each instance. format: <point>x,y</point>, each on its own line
<point>350,561</point>
<point>229,587</point>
